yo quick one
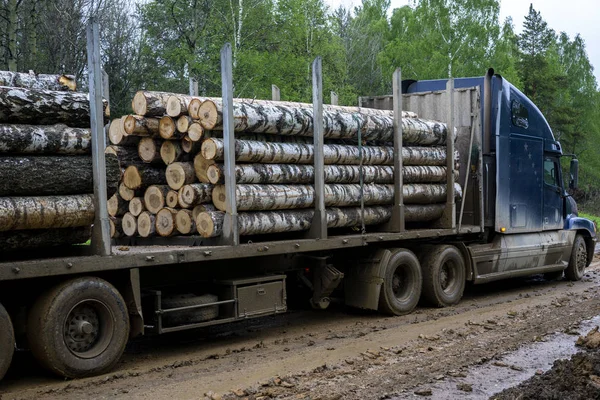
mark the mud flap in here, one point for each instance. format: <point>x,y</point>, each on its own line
<point>362,283</point>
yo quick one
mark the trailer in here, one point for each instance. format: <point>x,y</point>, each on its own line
<point>76,308</point>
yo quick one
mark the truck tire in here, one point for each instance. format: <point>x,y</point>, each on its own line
<point>7,341</point>
<point>401,288</point>
<point>578,260</point>
<point>79,327</point>
<point>191,316</point>
<point>443,276</point>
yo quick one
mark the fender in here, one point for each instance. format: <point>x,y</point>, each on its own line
<point>581,224</point>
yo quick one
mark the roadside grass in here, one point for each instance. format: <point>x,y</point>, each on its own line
<point>591,217</point>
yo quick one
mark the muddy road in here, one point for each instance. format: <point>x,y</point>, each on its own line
<point>470,350</point>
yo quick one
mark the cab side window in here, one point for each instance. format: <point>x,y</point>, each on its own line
<point>520,115</point>
<point>551,172</point>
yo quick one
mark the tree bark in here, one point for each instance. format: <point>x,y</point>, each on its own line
<point>291,173</point>
<point>136,125</point>
<point>135,177</point>
<point>43,212</point>
<point>44,139</point>
<point>285,120</point>
<point>184,222</point>
<point>179,174</point>
<point>129,224</point>
<point>295,153</point>
<point>149,150</point>
<point>150,104</point>
<point>40,238</point>
<point>126,156</point>
<point>117,206</point>
<point>172,198</point>
<point>136,206</point>
<point>189,146</point>
<point>201,208</point>
<point>146,224</point>
<point>53,175</point>
<point>210,223</point>
<point>281,197</point>
<point>116,227</point>
<point>195,193</point>
<point>165,222</point>
<point>38,81</point>
<point>45,107</point>
<point>171,151</point>
<point>154,198</point>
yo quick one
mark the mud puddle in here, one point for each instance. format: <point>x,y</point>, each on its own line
<point>503,372</point>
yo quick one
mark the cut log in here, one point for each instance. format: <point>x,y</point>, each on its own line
<point>213,109</point>
<point>281,197</point>
<point>179,174</point>
<point>194,194</point>
<point>295,153</point>
<point>168,129</point>
<point>171,151</point>
<point>136,125</point>
<point>210,223</point>
<point>165,222</point>
<point>126,155</point>
<point>146,224</point>
<point>149,150</point>
<point>44,212</point>
<point>184,222</point>
<point>116,228</point>
<point>201,165</point>
<point>285,120</point>
<point>183,123</point>
<point>41,238</point>
<point>53,175</point>
<point>118,136</point>
<point>117,206</point>
<point>195,132</point>
<point>38,81</point>
<point>129,224</point>
<point>45,107</point>
<point>44,139</point>
<point>136,206</point>
<point>154,198</point>
<point>189,146</point>
<point>172,198</point>
<point>128,194</point>
<point>202,208</point>
<point>150,104</point>
<point>135,177</point>
<point>289,173</point>
<point>178,104</point>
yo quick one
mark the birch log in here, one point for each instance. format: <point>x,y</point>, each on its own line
<point>195,193</point>
<point>172,199</point>
<point>45,107</point>
<point>195,132</point>
<point>171,151</point>
<point>296,153</point>
<point>210,223</point>
<point>150,104</point>
<point>146,224</point>
<point>117,206</point>
<point>291,173</point>
<point>149,150</point>
<point>165,222</point>
<point>202,208</point>
<point>281,197</point>
<point>201,165</point>
<point>179,174</point>
<point>116,227</point>
<point>136,206</point>
<point>183,123</point>
<point>40,238</point>
<point>284,120</point>
<point>135,177</point>
<point>44,212</point>
<point>178,105</point>
<point>129,224</point>
<point>125,155</point>
<point>44,139</point>
<point>189,146</point>
<point>53,175</point>
<point>184,222</point>
<point>168,130</point>
<point>38,81</point>
<point>118,136</point>
<point>154,197</point>
<point>128,194</point>
<point>136,125</point>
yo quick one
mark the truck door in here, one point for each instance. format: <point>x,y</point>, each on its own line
<point>553,199</point>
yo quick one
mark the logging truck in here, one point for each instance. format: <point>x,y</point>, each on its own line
<point>504,212</point>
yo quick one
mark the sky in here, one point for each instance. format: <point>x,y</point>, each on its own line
<point>572,17</point>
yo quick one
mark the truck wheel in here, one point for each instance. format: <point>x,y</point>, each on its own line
<point>578,260</point>
<point>443,276</point>
<point>402,284</point>
<point>7,341</point>
<point>79,327</point>
<point>193,315</point>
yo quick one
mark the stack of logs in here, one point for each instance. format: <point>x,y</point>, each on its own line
<point>171,150</point>
<point>46,190</point>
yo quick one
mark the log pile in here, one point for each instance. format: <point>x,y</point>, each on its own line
<point>171,151</point>
<point>46,190</point>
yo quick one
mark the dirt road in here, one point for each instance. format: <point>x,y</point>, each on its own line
<point>336,354</point>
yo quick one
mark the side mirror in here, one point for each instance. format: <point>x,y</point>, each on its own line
<point>574,172</point>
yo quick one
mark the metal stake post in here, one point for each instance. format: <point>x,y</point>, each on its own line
<point>230,224</point>
<point>334,98</point>
<point>396,223</point>
<point>101,230</point>
<point>318,229</point>
<point>275,93</point>
<point>449,217</point>
<point>193,87</point>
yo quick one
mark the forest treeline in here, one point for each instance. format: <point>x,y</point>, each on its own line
<point>160,44</point>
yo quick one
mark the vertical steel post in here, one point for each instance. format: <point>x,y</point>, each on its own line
<point>193,87</point>
<point>397,223</point>
<point>318,229</point>
<point>230,224</point>
<point>449,217</point>
<point>101,230</point>
<point>334,98</point>
<point>275,93</point>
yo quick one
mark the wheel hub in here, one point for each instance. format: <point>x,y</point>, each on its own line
<point>581,258</point>
<point>88,329</point>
